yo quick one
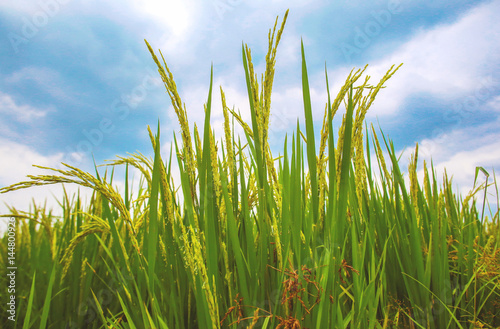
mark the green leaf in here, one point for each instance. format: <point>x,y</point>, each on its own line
<point>311,146</point>
<point>27,318</point>
<point>48,295</point>
<point>152,233</point>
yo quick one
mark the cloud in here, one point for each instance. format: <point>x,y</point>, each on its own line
<point>20,113</point>
<point>18,159</point>
<point>459,152</point>
<point>16,164</point>
<point>22,122</point>
<point>177,16</point>
<point>20,6</point>
<point>446,61</point>
<point>46,79</point>
<point>172,25</point>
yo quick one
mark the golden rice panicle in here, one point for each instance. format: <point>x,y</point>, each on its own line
<point>136,160</point>
<point>261,118</point>
<point>180,110</point>
<point>270,63</point>
<point>79,177</point>
<point>213,304</point>
<point>253,82</point>
<point>230,163</point>
<point>357,147</point>
<point>267,86</point>
<point>364,104</point>
<point>217,185</point>
<point>186,250</point>
<point>323,142</point>
<point>140,221</point>
<point>375,90</point>
<point>196,253</point>
<point>412,171</point>
<point>427,186</point>
<point>380,157</point>
<point>206,286</point>
<point>271,170</point>
<point>341,96</point>
<point>96,225</point>
<point>358,99</point>
<point>168,201</point>
<point>229,275</point>
<point>321,166</point>
<point>277,240</point>
<point>308,184</point>
<point>84,270</point>
<point>242,123</point>
<point>350,80</point>
<point>255,318</point>
<point>257,102</point>
<point>324,188</point>
<point>197,141</point>
<point>441,207</point>
<point>359,167</point>
<point>340,144</point>
<point>361,109</point>
<point>163,251</point>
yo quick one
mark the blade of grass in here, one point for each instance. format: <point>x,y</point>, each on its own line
<point>130,321</point>
<point>27,318</point>
<point>437,298</point>
<point>311,146</point>
<point>48,295</point>
<point>151,234</point>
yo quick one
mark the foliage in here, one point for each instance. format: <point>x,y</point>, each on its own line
<point>253,241</point>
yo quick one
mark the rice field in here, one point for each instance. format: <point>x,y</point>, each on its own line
<point>331,233</point>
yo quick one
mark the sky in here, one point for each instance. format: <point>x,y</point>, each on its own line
<point>78,85</point>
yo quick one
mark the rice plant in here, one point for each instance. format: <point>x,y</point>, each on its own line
<point>326,236</point>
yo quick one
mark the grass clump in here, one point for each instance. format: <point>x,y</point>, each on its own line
<point>252,241</point>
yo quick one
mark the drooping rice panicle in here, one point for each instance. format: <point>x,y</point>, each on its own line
<point>180,111</point>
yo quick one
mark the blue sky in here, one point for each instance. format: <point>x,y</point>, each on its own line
<point>77,79</point>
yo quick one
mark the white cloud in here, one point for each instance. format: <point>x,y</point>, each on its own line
<point>459,152</point>
<point>175,24</point>
<point>22,6</point>
<point>18,159</point>
<point>176,15</point>
<point>494,104</point>
<point>45,78</point>
<point>447,61</point>
<point>16,164</point>
<point>21,113</point>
